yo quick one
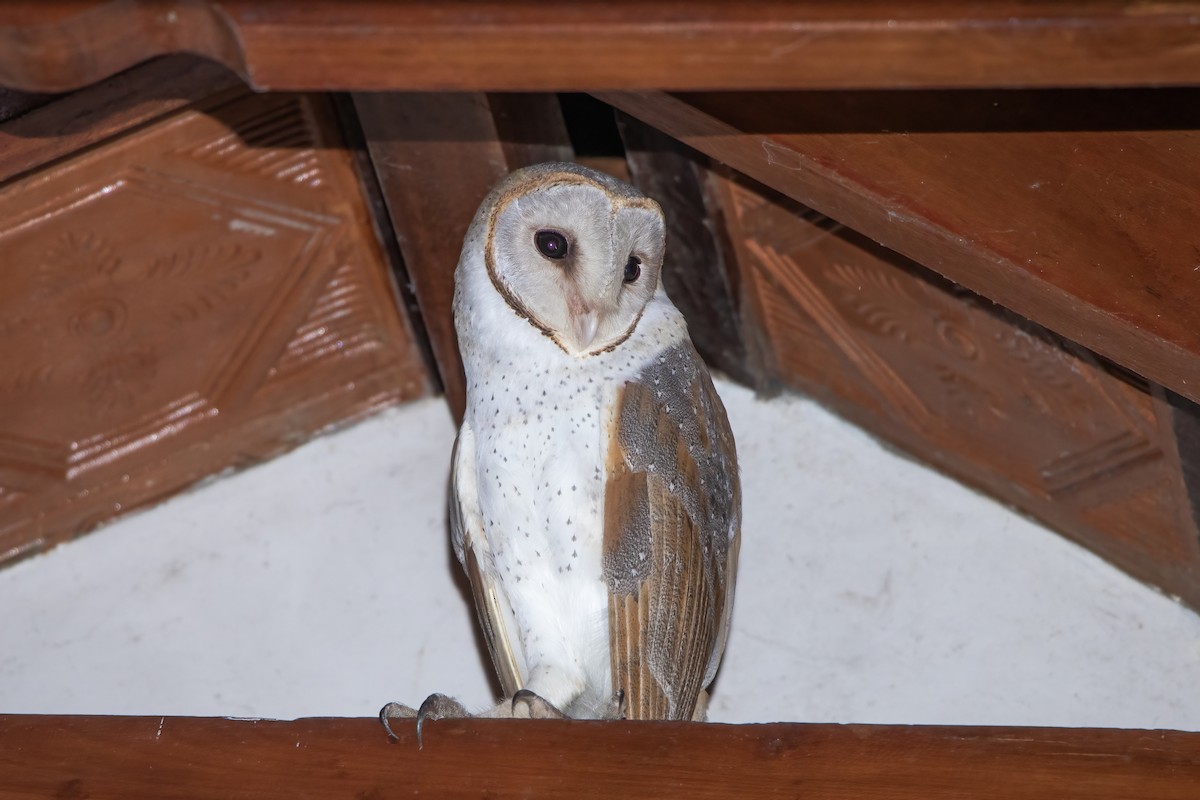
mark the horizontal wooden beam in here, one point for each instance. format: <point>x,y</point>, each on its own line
<point>611,44</point>
<point>196,758</point>
<point>1046,202</point>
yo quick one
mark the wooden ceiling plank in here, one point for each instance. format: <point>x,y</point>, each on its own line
<point>525,45</point>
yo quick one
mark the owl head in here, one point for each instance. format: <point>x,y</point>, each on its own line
<point>574,252</point>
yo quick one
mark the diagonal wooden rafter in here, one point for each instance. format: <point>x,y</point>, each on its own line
<point>1079,210</point>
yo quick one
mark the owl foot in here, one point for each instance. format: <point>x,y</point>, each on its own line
<point>394,711</point>
<point>524,705</point>
<point>438,706</point>
<point>527,705</point>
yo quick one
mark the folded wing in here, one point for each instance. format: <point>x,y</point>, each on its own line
<point>470,545</point>
<point>672,521</point>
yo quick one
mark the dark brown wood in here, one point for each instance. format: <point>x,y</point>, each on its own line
<point>964,385</point>
<point>1085,221</point>
<point>437,156</point>
<point>694,274</point>
<point>197,758</point>
<point>1185,424</point>
<point>135,97</point>
<point>14,103</point>
<point>68,44</point>
<point>200,292</point>
<point>611,44</point>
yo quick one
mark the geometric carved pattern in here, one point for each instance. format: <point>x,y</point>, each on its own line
<point>340,323</point>
<point>975,389</point>
<point>103,313</point>
<point>155,291</point>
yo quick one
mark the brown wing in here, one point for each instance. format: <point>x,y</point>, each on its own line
<point>470,545</point>
<point>672,521</point>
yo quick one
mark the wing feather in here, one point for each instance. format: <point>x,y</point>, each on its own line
<point>672,520</point>
<point>470,545</point>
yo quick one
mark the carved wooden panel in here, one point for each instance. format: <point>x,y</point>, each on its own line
<point>976,390</point>
<point>201,292</point>
<point>1080,218</point>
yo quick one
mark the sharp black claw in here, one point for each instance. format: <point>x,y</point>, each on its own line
<point>426,711</point>
<point>437,706</point>
<point>389,711</point>
<point>422,713</point>
<point>387,726</point>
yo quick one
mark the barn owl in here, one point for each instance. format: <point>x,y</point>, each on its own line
<point>595,504</point>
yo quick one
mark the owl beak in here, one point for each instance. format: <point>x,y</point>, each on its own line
<point>586,325</point>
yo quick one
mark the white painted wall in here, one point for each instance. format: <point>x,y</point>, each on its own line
<point>321,583</point>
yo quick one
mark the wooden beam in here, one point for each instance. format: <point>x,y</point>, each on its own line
<point>527,45</point>
<point>197,758</point>
<point>1045,202</point>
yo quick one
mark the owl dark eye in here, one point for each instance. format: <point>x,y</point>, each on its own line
<point>551,244</point>
<point>633,269</point>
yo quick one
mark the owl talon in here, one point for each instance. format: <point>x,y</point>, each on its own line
<point>394,711</point>
<point>528,705</point>
<point>438,706</point>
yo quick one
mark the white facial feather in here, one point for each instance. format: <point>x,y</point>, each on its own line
<point>591,296</point>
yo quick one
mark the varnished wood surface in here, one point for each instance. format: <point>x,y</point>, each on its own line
<point>970,388</point>
<point>186,287</point>
<point>174,757</point>
<point>1079,210</point>
<point>611,44</point>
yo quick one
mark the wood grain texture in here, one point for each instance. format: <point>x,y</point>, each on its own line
<point>198,758</point>
<point>198,293</point>
<point>1082,220</point>
<point>991,398</point>
<point>437,156</point>
<point>630,44</point>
